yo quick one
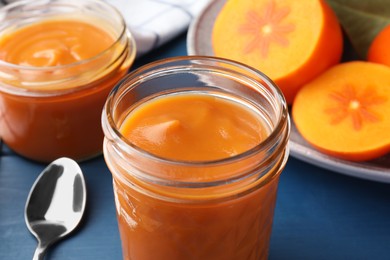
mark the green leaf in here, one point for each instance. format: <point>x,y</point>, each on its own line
<point>362,20</point>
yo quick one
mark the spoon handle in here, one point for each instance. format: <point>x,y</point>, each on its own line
<point>39,253</point>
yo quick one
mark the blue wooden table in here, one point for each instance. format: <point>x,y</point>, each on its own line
<point>319,214</point>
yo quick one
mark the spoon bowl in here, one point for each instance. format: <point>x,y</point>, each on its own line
<point>56,203</point>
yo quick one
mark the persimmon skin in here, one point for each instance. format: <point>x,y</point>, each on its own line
<point>379,51</point>
<point>344,112</point>
<point>325,52</point>
<point>374,154</point>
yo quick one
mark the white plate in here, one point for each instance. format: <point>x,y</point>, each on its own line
<point>199,43</point>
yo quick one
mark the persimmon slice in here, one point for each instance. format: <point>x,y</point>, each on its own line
<point>290,41</point>
<point>345,112</point>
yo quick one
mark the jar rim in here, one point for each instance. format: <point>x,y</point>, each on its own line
<point>282,124</point>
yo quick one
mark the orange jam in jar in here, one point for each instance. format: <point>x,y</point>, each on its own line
<point>195,146</point>
<point>58,62</point>
<point>214,127</point>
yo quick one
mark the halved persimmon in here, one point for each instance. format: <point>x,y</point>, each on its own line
<point>290,41</point>
<point>345,112</point>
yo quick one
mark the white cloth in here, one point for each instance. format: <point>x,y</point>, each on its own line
<point>154,22</point>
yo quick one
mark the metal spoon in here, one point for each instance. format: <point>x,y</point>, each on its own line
<point>55,204</point>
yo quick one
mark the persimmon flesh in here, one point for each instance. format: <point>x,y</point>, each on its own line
<point>345,111</point>
<point>290,41</point>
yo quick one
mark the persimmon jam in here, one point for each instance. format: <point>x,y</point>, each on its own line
<point>195,146</point>
<point>194,127</point>
<point>56,75</point>
<point>54,43</point>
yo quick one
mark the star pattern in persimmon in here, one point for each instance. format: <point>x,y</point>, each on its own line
<point>349,103</point>
<point>266,28</point>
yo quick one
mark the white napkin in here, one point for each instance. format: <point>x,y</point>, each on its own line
<point>154,22</point>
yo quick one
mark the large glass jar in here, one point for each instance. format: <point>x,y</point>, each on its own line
<point>48,112</point>
<point>218,209</point>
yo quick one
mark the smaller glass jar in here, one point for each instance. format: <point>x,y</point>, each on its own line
<point>53,111</point>
<point>217,209</point>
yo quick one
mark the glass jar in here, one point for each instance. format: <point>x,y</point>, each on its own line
<point>53,111</point>
<point>220,209</point>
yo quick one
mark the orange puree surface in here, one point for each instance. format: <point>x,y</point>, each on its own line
<point>193,127</point>
<point>53,43</point>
